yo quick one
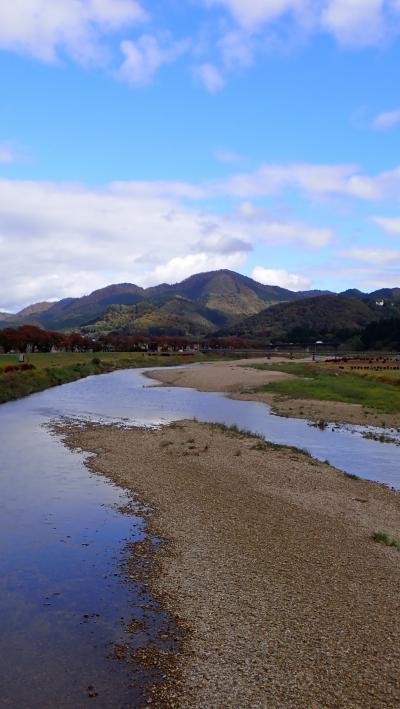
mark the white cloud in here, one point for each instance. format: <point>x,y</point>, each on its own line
<point>269,179</point>
<point>181,267</point>
<point>251,13</point>
<point>63,240</point>
<point>313,179</point>
<point>7,154</point>
<point>160,188</point>
<point>257,214</point>
<point>351,22</point>
<point>81,29</point>
<point>144,57</point>
<point>295,232</point>
<point>211,77</point>
<point>236,49</point>
<point>387,120</point>
<point>280,277</point>
<point>389,224</point>
<point>372,255</point>
<point>281,232</point>
<point>359,22</point>
<point>47,29</point>
<point>58,241</point>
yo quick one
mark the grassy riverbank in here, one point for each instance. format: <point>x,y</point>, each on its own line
<point>64,367</point>
<point>369,389</point>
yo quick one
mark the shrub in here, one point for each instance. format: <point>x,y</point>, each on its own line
<point>383,538</point>
<point>18,367</point>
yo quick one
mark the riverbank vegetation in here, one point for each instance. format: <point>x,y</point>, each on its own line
<point>33,359</point>
<point>370,389</point>
<point>53,369</point>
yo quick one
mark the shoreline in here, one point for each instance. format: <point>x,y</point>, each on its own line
<point>269,567</point>
<point>239,381</point>
<point>19,384</point>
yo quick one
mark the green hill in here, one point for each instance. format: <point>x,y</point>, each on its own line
<point>180,316</point>
<point>119,318</point>
<point>326,317</point>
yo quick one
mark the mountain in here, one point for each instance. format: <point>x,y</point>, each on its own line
<point>215,301</point>
<point>355,293</point>
<point>391,295</point>
<point>388,294</point>
<point>197,306</point>
<point>229,292</point>
<point>74,312</point>
<point>35,309</point>
<point>221,298</point>
<point>326,317</point>
<point>228,284</point>
<point>27,315</point>
<point>178,316</point>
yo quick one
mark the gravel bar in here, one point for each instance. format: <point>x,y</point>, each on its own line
<point>269,567</point>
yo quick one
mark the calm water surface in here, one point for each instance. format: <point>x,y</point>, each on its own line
<point>131,398</point>
<point>64,602</point>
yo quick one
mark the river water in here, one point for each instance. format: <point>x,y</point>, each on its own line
<point>64,600</point>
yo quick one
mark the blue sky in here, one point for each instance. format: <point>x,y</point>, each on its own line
<point>145,141</point>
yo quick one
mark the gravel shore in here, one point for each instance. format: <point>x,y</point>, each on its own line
<point>270,567</point>
<point>240,381</point>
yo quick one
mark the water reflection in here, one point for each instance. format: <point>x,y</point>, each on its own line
<point>132,399</point>
<point>63,602</point>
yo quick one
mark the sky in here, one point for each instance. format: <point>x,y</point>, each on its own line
<point>143,141</point>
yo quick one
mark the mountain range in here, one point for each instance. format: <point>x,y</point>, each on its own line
<point>218,302</point>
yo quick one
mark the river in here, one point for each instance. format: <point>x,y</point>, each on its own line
<point>65,600</point>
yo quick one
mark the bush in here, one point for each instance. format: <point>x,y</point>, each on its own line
<point>383,538</point>
<point>18,368</point>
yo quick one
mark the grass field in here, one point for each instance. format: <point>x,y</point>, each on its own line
<point>62,359</point>
<point>370,389</point>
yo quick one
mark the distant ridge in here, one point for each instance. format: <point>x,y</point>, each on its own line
<point>327,317</point>
<point>227,295</point>
<point>35,309</point>
<point>215,301</point>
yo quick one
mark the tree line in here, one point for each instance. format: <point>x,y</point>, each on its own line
<point>29,338</point>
